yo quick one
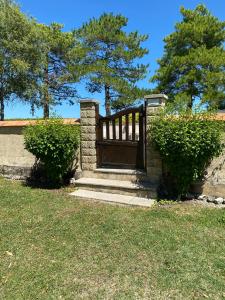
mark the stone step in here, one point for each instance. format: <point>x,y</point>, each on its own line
<point>122,187</point>
<point>113,198</point>
<point>120,174</point>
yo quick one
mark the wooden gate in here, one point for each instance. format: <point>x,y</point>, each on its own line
<point>121,139</point>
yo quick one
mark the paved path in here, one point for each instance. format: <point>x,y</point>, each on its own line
<point>115,198</point>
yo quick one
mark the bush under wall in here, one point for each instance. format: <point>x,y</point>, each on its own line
<point>187,144</point>
<point>55,145</point>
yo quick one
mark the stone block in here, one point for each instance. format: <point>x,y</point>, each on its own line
<point>88,166</point>
<point>88,152</point>
<point>87,113</point>
<point>88,136</point>
<point>15,172</point>
<point>88,159</point>
<point>88,122</point>
<point>151,111</point>
<point>88,129</point>
<point>88,145</point>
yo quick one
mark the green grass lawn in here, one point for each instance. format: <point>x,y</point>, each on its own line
<point>53,246</point>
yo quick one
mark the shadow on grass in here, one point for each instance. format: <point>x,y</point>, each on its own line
<point>39,179</point>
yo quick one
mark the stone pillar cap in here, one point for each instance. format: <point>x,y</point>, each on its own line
<point>154,96</point>
<point>89,100</point>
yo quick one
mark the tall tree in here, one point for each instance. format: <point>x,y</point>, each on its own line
<point>193,64</point>
<point>54,82</point>
<point>111,60</point>
<point>18,54</point>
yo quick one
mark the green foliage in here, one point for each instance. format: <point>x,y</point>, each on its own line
<point>54,144</point>
<point>53,80</point>
<point>18,53</point>
<point>187,144</point>
<point>193,64</point>
<point>221,220</point>
<point>110,60</point>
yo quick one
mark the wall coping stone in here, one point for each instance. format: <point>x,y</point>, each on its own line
<point>89,101</point>
<point>153,96</point>
<point>22,123</point>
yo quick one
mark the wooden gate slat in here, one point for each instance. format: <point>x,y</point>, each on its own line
<point>127,127</point>
<point>141,138</point>
<point>107,130</point>
<point>101,130</point>
<point>133,126</point>
<point>120,128</point>
<point>141,126</point>
<point>114,129</point>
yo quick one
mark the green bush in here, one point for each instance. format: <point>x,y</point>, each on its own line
<point>187,144</point>
<point>54,145</point>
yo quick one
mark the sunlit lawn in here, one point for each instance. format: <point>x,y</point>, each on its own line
<point>53,246</point>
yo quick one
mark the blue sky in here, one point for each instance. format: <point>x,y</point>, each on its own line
<point>153,17</point>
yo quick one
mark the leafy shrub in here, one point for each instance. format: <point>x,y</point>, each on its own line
<point>54,144</point>
<point>187,144</point>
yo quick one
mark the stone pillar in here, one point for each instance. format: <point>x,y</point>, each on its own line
<point>153,103</point>
<point>89,112</point>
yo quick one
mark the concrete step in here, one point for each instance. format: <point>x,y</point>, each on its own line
<point>122,187</point>
<point>113,198</point>
<point>120,174</point>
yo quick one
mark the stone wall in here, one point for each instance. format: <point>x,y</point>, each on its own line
<point>214,181</point>
<point>15,161</point>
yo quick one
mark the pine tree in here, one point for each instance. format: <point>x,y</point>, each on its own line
<point>18,53</point>
<point>110,64</point>
<point>192,67</point>
<point>54,82</point>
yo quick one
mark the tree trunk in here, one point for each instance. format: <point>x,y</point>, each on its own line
<point>46,107</point>
<point>2,107</point>
<point>46,96</point>
<point>107,101</point>
<point>190,92</point>
<point>190,103</point>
